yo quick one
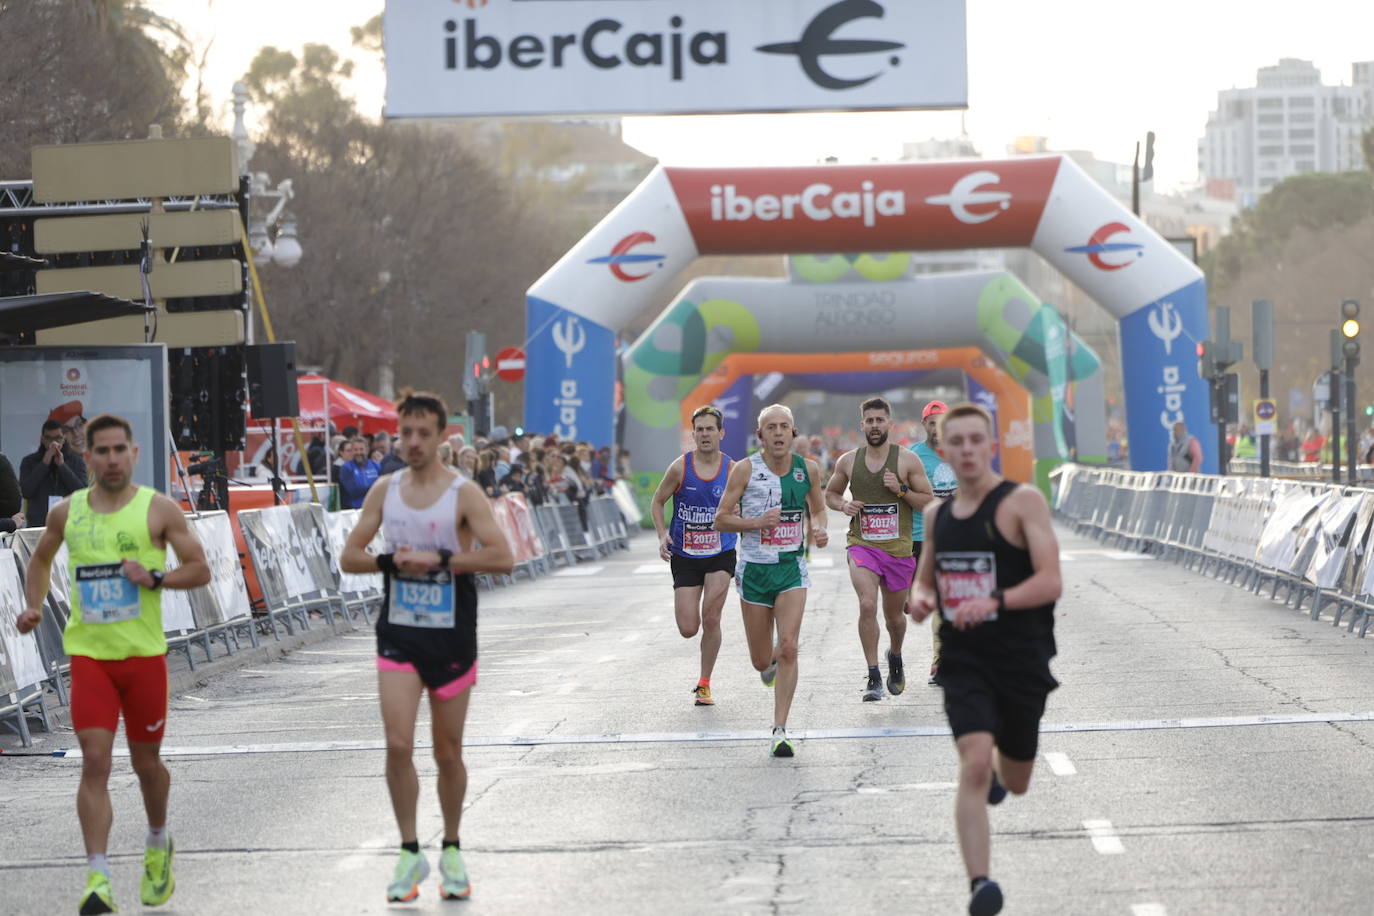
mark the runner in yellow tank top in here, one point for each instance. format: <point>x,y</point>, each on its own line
<point>117,534</point>
<point>885,484</point>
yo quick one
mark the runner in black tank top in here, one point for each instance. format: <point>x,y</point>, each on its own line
<point>991,567</point>
<point>439,529</point>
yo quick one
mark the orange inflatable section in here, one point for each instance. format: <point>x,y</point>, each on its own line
<point>1015,439</point>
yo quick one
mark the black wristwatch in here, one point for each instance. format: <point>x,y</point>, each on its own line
<point>903,490</point>
<point>444,557</point>
<point>158,575</point>
<point>1001,600</point>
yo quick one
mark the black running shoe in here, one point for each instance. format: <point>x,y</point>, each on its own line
<point>996,793</point>
<point>896,674</point>
<point>986,899</point>
<point>874,690</point>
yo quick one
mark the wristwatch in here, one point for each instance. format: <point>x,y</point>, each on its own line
<point>158,575</point>
<point>902,490</point>
<point>444,557</point>
<point>1001,600</point>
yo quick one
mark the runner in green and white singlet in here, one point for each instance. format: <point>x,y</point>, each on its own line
<point>766,501</point>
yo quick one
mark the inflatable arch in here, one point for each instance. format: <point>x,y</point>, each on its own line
<point>730,387</point>
<point>1046,203</point>
<point>714,317</point>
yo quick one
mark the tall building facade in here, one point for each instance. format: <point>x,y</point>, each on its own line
<point>1287,124</point>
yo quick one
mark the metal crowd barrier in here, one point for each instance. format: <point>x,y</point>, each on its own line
<point>1306,543</point>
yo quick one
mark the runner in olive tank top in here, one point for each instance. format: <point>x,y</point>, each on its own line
<point>117,534</point>
<point>885,484</point>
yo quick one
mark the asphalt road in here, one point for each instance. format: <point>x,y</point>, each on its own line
<point>1208,752</point>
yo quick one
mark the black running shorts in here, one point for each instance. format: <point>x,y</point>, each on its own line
<point>691,572</point>
<point>979,699</point>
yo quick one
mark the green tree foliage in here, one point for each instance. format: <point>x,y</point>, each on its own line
<point>410,239</point>
<point>79,71</point>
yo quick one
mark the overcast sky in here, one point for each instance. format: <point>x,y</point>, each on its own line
<point>1085,74</point>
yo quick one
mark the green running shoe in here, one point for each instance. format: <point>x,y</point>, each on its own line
<point>158,881</point>
<point>453,875</point>
<point>411,870</point>
<point>98,897</point>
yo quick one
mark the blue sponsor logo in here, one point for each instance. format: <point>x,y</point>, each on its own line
<point>570,375</point>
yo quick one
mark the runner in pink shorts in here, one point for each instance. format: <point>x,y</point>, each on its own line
<point>885,484</point>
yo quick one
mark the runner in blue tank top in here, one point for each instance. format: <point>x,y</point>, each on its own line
<point>944,485</point>
<point>702,559</point>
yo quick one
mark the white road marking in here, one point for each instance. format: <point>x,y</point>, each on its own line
<point>821,562</point>
<point>1104,837</point>
<point>632,637</point>
<point>579,571</point>
<point>1060,763</point>
<point>1148,909</point>
<point>366,854</point>
<point>649,569</point>
<point>818,734</point>
<point>907,787</point>
<point>604,659</point>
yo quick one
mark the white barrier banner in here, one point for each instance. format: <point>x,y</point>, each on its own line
<point>177,615</point>
<point>226,574</point>
<point>289,551</point>
<point>19,656</point>
<point>339,525</point>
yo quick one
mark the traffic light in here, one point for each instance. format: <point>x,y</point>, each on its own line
<point>1206,360</point>
<point>1350,329</point>
<point>1369,410</point>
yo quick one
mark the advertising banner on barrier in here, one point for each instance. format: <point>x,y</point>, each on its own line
<point>500,508</point>
<point>515,57</point>
<point>522,521</point>
<point>66,384</point>
<point>308,520</point>
<point>338,525</point>
<point>178,614</point>
<point>20,663</point>
<point>226,588</point>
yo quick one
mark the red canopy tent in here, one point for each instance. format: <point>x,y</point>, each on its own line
<point>348,406</point>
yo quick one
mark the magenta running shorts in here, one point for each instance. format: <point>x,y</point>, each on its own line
<point>447,691</point>
<point>894,573</point>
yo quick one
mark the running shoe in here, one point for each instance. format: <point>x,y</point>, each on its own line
<point>703,695</point>
<point>896,674</point>
<point>453,875</point>
<point>410,871</point>
<point>996,792</point>
<point>769,674</point>
<point>158,882</point>
<point>98,897</point>
<point>874,690</point>
<point>934,673</point>
<point>986,899</point>
<point>782,746</point>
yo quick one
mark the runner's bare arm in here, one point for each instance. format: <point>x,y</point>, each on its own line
<point>479,521</point>
<point>355,558</point>
<point>169,526</point>
<point>672,479</point>
<point>39,571</point>
<point>816,503</point>
<point>839,481</point>
<point>921,602</point>
<point>920,494</point>
<point>728,516</point>
<point>1032,515</point>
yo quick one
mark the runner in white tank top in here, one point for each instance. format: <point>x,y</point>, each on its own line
<point>430,518</point>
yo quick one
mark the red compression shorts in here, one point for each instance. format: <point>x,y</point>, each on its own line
<point>138,686</point>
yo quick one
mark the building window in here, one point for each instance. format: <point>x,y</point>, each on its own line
<point>1269,103</point>
<point>1301,101</point>
<point>1305,165</point>
<point>1305,149</point>
<point>1237,109</point>
<point>1269,118</point>
<point>1270,133</point>
<point>1301,133</point>
<point>1302,117</point>
<point>1338,106</point>
<point>1270,151</point>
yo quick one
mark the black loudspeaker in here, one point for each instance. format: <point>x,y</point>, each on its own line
<point>272,380</point>
<point>207,397</point>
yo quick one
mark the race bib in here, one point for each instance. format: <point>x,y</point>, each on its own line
<point>786,534</point>
<point>700,540</point>
<point>106,596</point>
<point>879,523</point>
<point>425,600</point>
<point>961,577</point>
